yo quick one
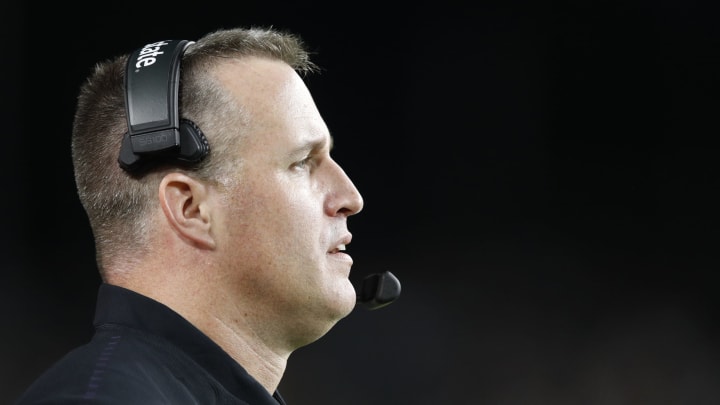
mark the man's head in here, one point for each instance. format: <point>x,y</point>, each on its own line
<point>255,231</point>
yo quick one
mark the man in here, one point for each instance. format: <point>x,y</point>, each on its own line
<point>219,262</point>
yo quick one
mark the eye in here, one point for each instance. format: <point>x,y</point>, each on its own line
<point>303,164</point>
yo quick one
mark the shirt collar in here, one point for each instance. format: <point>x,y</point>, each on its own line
<point>120,306</point>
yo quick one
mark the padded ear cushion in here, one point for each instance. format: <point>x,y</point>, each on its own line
<point>194,145</point>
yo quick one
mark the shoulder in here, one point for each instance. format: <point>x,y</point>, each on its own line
<point>121,366</point>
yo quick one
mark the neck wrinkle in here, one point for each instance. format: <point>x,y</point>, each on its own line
<point>248,348</point>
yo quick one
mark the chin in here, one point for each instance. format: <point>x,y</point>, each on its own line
<point>350,297</point>
<point>347,307</point>
<point>342,302</point>
<point>326,317</point>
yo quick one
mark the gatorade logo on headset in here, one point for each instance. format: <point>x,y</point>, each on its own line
<point>148,53</point>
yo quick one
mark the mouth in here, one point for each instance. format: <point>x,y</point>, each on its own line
<point>340,244</point>
<point>337,250</point>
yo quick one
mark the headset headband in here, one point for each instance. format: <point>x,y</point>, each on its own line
<point>152,83</point>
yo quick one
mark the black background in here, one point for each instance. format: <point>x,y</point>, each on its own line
<point>541,176</point>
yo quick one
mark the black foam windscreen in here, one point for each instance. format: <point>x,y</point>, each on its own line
<point>378,290</point>
<point>155,130</point>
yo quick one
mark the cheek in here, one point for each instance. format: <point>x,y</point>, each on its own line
<point>293,204</point>
<point>276,216</point>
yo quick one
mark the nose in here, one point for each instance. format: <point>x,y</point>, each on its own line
<point>343,197</point>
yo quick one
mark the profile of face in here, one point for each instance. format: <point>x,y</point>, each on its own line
<point>284,224</point>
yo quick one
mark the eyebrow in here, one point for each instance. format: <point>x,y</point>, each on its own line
<point>314,145</point>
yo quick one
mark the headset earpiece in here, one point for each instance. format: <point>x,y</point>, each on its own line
<point>193,143</point>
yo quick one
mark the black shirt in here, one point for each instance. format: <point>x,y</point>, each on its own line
<point>143,352</point>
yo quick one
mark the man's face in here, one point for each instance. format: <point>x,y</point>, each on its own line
<point>285,222</point>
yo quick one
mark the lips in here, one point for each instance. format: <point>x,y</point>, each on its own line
<point>341,245</point>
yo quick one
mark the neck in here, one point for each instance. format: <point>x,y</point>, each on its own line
<point>245,346</point>
<point>232,329</point>
<point>199,297</point>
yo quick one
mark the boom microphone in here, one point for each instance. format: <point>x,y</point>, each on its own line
<point>378,290</point>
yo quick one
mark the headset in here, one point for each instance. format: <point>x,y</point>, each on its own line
<point>155,130</point>
<point>157,133</point>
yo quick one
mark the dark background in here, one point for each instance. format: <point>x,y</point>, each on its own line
<point>541,176</point>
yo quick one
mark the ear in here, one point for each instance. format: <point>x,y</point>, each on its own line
<point>186,205</point>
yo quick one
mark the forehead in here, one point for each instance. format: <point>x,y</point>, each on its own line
<point>259,84</point>
<point>275,99</point>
